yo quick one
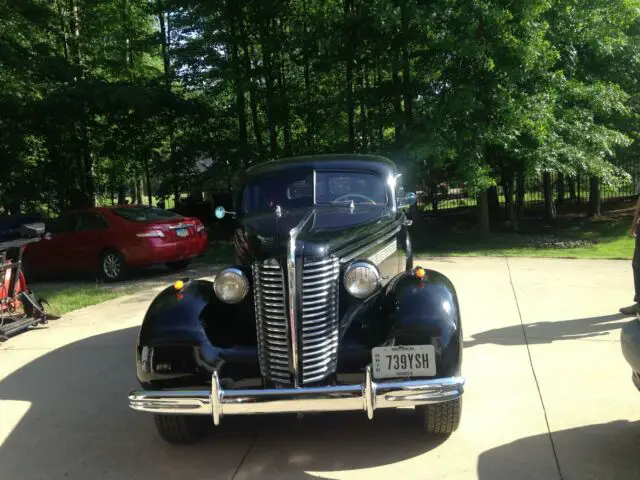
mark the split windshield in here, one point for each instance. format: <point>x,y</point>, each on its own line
<point>296,190</point>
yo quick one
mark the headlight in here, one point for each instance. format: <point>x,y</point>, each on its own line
<point>231,285</point>
<point>361,279</point>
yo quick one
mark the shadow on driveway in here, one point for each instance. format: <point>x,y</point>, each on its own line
<point>548,332</point>
<point>596,452</point>
<point>77,424</point>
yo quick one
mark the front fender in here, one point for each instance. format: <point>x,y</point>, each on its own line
<point>426,312</point>
<point>187,333</point>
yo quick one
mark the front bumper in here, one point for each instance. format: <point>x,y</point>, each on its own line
<point>365,397</point>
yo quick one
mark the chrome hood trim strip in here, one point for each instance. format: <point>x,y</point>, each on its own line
<point>293,296</point>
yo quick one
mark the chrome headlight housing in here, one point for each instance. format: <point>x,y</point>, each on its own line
<point>231,285</point>
<point>361,279</point>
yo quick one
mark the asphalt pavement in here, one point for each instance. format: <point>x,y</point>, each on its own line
<point>548,395</point>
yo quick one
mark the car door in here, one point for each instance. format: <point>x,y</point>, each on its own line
<point>89,240</point>
<point>51,254</point>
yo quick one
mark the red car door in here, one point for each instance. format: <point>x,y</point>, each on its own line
<point>89,241</point>
<point>50,256</point>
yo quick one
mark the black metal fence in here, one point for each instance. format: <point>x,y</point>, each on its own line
<point>566,189</point>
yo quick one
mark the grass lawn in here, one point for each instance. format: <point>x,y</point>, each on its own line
<point>605,237</point>
<point>66,298</point>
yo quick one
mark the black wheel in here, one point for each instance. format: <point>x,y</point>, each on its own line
<point>179,265</point>
<point>112,266</point>
<point>180,429</point>
<point>440,418</point>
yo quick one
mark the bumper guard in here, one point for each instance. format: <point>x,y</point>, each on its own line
<point>364,397</point>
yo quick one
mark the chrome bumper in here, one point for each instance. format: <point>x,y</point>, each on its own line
<point>367,397</point>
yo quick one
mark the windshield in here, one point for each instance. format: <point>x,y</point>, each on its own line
<point>296,189</point>
<point>145,214</point>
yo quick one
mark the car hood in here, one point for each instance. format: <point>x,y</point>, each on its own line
<point>323,230</point>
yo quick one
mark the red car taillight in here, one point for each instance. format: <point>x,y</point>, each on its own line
<point>151,234</point>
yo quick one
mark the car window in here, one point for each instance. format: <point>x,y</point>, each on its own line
<point>296,189</point>
<point>359,187</point>
<point>64,224</point>
<point>289,190</point>
<point>145,214</point>
<point>91,221</point>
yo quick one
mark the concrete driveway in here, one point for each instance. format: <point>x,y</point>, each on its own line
<point>548,395</point>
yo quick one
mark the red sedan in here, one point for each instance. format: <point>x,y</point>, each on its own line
<point>113,239</point>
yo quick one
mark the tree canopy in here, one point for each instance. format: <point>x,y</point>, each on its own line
<point>106,96</point>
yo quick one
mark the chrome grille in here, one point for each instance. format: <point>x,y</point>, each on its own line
<point>319,320</point>
<point>273,339</point>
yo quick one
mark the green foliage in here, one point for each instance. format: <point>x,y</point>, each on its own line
<point>96,96</point>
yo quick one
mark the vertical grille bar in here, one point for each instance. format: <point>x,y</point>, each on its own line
<point>271,318</point>
<point>319,319</point>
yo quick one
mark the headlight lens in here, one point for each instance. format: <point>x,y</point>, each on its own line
<point>361,279</point>
<point>231,285</point>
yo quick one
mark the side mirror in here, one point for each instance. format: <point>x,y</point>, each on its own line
<point>220,212</point>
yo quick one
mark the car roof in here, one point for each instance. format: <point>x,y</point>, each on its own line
<point>338,161</point>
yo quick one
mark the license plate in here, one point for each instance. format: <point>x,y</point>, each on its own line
<point>182,232</point>
<point>404,361</point>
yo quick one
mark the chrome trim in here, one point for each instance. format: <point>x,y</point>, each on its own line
<point>271,321</point>
<point>366,397</point>
<point>293,296</point>
<point>356,254</point>
<point>384,253</point>
<point>358,265</point>
<point>241,275</point>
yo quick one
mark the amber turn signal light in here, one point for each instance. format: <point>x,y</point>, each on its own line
<point>179,285</point>
<point>420,273</point>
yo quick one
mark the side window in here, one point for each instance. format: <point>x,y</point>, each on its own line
<point>64,224</point>
<point>91,221</point>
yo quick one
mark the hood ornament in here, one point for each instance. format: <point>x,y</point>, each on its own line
<point>352,206</point>
<point>278,211</point>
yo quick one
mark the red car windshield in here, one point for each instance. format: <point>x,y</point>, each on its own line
<point>145,214</point>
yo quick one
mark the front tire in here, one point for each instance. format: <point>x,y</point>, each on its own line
<point>180,429</point>
<point>112,266</point>
<point>440,418</point>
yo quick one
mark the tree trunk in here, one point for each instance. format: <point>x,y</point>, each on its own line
<point>380,129</point>
<point>405,16</point>
<point>268,78</point>
<point>493,202</point>
<point>240,90</point>
<point>285,111</point>
<point>348,5</point>
<point>122,195</point>
<point>397,106</point>
<point>309,117</point>
<point>572,187</point>
<point>560,188</point>
<point>579,185</point>
<point>520,190</point>
<point>147,178</point>
<point>595,201</point>
<point>483,213</point>
<point>509,205</point>
<point>363,112</point>
<point>253,100</point>
<point>549,205</point>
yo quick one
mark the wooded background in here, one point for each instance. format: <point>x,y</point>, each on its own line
<point>100,99</point>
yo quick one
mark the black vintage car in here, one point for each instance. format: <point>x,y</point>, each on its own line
<point>324,309</point>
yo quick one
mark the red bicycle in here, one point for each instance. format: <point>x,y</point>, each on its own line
<point>19,308</point>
